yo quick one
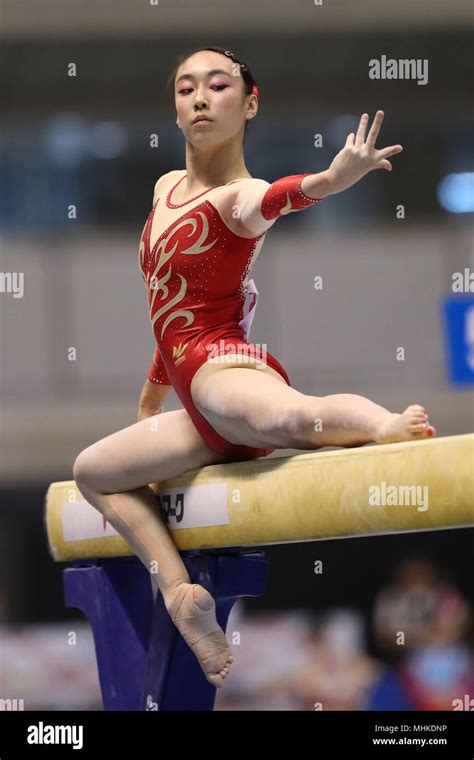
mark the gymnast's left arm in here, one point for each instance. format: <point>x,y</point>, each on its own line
<point>258,204</point>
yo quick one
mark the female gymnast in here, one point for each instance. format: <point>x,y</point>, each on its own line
<point>199,243</point>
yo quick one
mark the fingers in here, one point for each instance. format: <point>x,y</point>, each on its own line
<point>391,151</point>
<point>360,136</point>
<point>375,129</point>
<point>380,156</point>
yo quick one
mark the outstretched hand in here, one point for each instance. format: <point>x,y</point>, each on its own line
<point>359,156</point>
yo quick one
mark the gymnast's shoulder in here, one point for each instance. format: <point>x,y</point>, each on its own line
<point>168,176</point>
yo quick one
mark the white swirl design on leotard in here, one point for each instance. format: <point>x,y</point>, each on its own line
<point>141,253</point>
<point>287,207</point>
<point>163,256</point>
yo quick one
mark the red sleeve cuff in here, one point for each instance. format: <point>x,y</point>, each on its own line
<point>157,372</point>
<point>285,195</point>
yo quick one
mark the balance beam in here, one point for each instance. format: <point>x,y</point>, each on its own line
<point>215,514</point>
<point>370,490</point>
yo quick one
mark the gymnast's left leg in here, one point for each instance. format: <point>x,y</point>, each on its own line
<point>255,408</point>
<point>112,475</point>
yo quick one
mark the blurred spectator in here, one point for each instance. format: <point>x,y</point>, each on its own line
<point>436,667</point>
<point>418,608</point>
<point>337,672</point>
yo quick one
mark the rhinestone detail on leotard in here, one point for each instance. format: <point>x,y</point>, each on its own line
<point>179,205</point>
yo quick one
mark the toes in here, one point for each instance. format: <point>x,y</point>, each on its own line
<point>226,667</point>
<point>417,428</point>
<point>424,428</point>
<point>216,679</point>
<point>416,408</point>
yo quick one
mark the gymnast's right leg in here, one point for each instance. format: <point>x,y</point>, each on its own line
<point>112,475</point>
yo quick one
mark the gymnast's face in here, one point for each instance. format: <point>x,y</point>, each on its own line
<point>210,84</point>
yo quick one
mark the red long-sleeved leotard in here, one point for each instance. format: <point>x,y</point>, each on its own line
<point>200,299</point>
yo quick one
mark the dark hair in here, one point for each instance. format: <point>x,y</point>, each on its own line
<point>247,75</point>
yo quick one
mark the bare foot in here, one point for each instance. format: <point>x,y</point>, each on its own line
<point>192,610</point>
<point>410,425</point>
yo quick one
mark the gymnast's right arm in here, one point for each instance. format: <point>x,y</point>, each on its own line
<point>157,384</point>
<point>155,389</point>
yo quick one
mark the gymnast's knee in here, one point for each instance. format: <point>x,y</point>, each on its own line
<point>86,470</point>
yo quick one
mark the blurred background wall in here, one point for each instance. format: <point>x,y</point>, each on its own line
<point>387,249</point>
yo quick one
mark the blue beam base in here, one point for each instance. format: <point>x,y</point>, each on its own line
<point>143,661</point>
